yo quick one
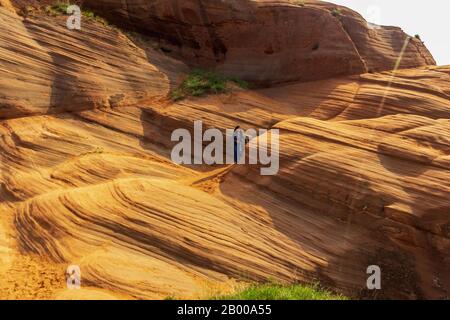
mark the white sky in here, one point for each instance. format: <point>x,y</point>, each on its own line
<point>430,19</point>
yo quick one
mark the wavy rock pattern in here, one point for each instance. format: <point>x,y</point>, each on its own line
<point>364,171</point>
<point>46,68</point>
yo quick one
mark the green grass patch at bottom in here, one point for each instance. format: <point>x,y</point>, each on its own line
<point>280,292</point>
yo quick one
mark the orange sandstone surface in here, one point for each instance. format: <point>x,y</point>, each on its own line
<point>86,177</point>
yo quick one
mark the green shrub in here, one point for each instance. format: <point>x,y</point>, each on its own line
<point>55,10</point>
<point>300,3</point>
<point>280,292</point>
<point>201,82</point>
<point>91,15</point>
<point>61,8</point>
<point>336,12</point>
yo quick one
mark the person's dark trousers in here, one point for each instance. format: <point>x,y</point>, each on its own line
<point>235,151</point>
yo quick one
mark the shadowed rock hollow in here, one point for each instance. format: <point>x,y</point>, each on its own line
<point>86,176</point>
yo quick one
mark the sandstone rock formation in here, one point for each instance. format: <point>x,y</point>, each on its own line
<point>87,179</point>
<point>7,5</point>
<point>48,68</point>
<point>268,41</point>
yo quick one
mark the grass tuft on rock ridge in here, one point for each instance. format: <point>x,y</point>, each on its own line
<point>201,82</point>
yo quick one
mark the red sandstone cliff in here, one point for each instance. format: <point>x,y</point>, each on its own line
<point>268,41</point>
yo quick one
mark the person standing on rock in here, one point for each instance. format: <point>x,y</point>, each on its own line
<point>239,143</point>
